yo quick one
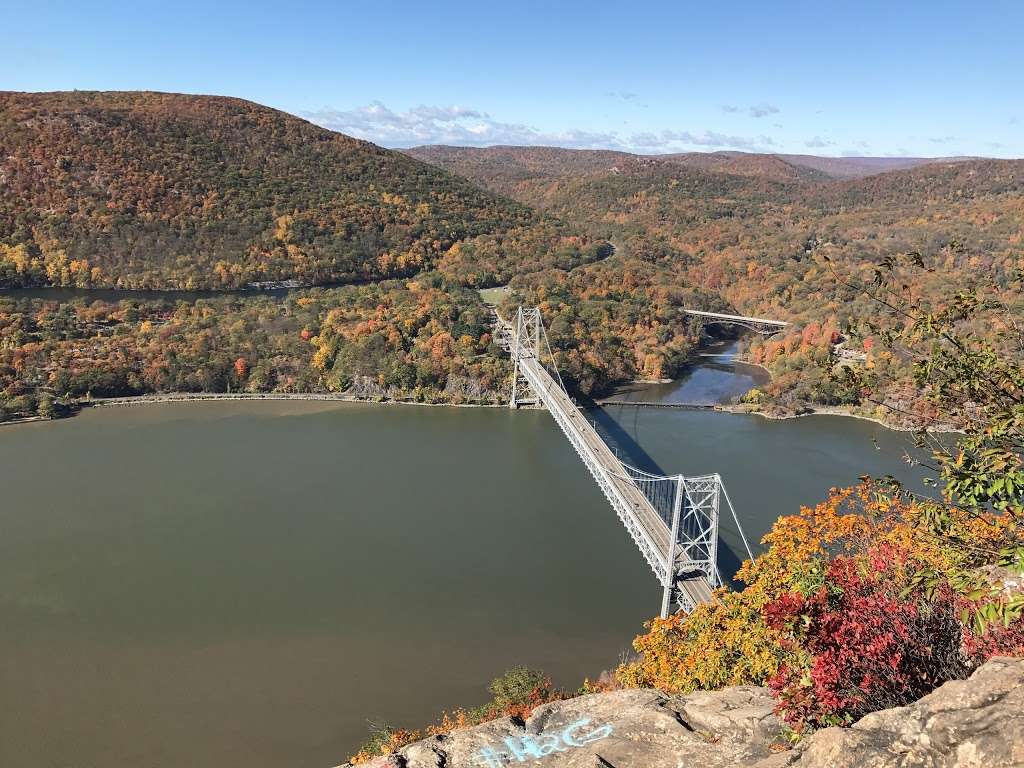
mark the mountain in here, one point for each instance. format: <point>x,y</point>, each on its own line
<point>160,190</point>
<point>859,167</point>
<point>493,166</point>
<point>762,234</point>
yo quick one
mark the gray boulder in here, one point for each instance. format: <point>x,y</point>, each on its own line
<point>620,729</point>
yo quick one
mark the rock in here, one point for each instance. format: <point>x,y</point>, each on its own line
<point>973,723</point>
<point>619,729</point>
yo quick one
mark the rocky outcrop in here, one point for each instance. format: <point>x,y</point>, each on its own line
<point>975,723</point>
<point>641,728</point>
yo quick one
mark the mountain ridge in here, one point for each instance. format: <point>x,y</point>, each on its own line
<point>143,189</point>
<point>544,158</point>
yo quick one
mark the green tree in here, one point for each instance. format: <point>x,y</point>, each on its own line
<point>967,361</point>
<point>46,409</point>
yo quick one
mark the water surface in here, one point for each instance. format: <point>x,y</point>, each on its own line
<point>227,584</point>
<point>715,378</point>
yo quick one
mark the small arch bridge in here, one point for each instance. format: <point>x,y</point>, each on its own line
<point>756,324</point>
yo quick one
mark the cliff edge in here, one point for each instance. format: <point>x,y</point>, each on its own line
<point>963,724</point>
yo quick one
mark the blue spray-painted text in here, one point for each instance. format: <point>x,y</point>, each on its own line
<point>519,749</point>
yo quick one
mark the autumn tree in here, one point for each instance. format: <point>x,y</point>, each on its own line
<point>966,354</point>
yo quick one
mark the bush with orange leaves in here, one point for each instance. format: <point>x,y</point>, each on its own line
<point>729,641</point>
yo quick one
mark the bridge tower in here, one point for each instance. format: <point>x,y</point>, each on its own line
<point>690,508</point>
<point>527,337</point>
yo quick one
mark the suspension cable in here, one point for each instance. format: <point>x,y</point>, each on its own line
<point>735,518</point>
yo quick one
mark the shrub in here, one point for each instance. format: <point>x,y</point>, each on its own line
<point>384,741</point>
<point>519,688</point>
<point>860,646</point>
<point>516,693</point>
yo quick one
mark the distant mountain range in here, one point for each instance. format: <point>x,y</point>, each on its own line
<point>487,164</point>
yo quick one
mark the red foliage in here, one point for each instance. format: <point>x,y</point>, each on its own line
<point>869,648</point>
<point>780,613</point>
<point>997,640</point>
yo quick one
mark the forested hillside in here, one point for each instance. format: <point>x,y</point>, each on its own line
<point>494,167</point>
<point>156,190</point>
<point>775,244</point>
<point>149,190</point>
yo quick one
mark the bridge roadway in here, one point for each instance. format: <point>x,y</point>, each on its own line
<point>650,532</point>
<point>761,325</point>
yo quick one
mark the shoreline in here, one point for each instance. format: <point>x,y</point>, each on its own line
<point>195,397</point>
<point>828,410</point>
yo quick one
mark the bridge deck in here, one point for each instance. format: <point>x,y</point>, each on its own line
<point>613,479</point>
<point>737,318</point>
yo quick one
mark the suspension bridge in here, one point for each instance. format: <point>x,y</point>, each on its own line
<point>672,519</point>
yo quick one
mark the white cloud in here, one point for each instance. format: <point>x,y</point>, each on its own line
<point>667,141</point>
<point>446,125</point>
<point>757,110</point>
<point>818,143</point>
<point>762,109</point>
<point>470,127</point>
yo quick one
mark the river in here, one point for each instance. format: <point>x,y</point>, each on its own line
<point>251,583</point>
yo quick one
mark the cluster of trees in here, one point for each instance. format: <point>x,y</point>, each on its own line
<point>614,321</point>
<point>424,339</point>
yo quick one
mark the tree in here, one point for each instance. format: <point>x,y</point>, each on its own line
<point>45,409</point>
<point>966,358</point>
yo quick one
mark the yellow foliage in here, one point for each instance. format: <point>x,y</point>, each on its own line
<point>283,228</point>
<point>728,642</point>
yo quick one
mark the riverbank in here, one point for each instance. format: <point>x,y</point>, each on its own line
<point>191,397</point>
<point>194,397</point>
<point>23,420</point>
<point>832,410</point>
<point>720,386</point>
<point>753,410</point>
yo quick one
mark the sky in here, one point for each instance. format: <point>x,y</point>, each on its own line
<point>827,78</point>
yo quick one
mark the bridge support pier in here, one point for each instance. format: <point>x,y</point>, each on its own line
<point>693,540</point>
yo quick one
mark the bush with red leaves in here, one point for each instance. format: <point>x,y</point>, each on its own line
<point>997,640</point>
<point>865,646</point>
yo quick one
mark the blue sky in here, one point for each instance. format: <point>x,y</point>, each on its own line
<point>830,78</point>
